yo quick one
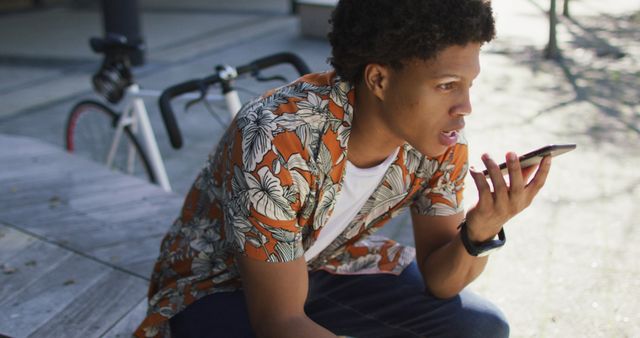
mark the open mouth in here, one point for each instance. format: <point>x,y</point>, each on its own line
<point>451,133</point>
<point>449,138</point>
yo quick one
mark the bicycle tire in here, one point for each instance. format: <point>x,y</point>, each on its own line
<point>89,132</point>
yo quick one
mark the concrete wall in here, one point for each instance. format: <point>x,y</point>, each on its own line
<point>314,17</point>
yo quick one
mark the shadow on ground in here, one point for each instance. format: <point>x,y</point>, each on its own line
<point>600,63</point>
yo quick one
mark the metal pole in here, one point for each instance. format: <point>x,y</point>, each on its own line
<point>565,9</point>
<point>123,17</point>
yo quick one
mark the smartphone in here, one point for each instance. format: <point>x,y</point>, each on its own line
<point>534,157</point>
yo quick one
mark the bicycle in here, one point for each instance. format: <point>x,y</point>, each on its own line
<point>101,133</point>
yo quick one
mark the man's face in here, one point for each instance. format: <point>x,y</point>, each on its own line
<point>425,102</point>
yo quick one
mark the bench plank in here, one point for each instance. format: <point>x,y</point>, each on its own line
<point>36,304</point>
<point>136,256</point>
<point>12,242</point>
<point>125,326</point>
<point>27,265</point>
<point>95,310</point>
<point>82,239</point>
<point>69,190</point>
<point>84,232</point>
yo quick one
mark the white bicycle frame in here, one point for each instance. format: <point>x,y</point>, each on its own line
<point>135,116</point>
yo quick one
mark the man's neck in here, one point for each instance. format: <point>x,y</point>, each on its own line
<point>370,141</point>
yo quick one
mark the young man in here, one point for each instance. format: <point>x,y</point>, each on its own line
<point>275,238</point>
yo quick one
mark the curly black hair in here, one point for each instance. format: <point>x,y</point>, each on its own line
<point>390,32</point>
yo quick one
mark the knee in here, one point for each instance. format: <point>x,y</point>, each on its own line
<point>484,321</point>
<point>491,324</point>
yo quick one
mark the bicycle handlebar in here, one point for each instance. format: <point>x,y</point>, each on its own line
<point>168,94</point>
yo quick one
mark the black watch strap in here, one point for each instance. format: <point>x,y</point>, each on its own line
<point>482,249</point>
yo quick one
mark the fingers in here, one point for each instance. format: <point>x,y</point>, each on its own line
<point>484,190</point>
<point>516,185</point>
<point>538,180</point>
<point>496,207</point>
<point>499,185</point>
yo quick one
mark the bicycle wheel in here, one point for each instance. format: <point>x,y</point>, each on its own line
<point>90,131</point>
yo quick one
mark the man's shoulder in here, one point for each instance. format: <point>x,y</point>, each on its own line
<point>303,107</point>
<point>293,119</point>
<point>318,84</point>
<point>303,99</point>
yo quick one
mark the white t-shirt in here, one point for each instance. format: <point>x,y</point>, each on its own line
<point>357,187</point>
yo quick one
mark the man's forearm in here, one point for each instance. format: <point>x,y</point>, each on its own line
<point>297,327</point>
<point>449,269</point>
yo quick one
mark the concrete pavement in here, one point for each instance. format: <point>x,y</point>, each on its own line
<point>570,268</point>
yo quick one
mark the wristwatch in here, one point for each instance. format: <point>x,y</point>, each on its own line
<point>484,248</point>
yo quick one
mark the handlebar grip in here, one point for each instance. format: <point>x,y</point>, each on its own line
<point>167,112</point>
<point>275,59</point>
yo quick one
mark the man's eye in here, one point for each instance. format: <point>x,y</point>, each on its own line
<point>446,86</point>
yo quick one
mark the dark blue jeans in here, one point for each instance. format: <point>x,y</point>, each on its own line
<point>363,306</point>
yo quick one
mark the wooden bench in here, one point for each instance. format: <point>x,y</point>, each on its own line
<point>77,243</point>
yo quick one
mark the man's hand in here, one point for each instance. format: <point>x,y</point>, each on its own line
<point>496,207</point>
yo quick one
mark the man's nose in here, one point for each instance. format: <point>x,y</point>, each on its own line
<point>463,108</point>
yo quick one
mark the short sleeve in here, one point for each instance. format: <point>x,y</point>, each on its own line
<point>265,182</point>
<point>443,194</point>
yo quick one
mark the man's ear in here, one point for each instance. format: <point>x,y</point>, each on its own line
<point>376,79</point>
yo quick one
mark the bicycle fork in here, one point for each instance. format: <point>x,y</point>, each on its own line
<point>135,116</point>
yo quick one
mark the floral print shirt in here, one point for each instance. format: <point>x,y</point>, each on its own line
<point>271,185</point>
